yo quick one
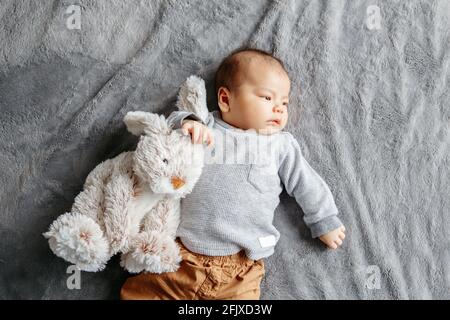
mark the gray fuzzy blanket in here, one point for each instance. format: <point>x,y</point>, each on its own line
<point>370,106</point>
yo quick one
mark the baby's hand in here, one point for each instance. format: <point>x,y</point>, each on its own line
<point>333,239</point>
<point>199,132</point>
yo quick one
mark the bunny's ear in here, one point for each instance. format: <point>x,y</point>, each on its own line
<point>192,97</point>
<point>140,122</point>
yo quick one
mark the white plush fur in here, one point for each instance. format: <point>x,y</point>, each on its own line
<point>129,203</point>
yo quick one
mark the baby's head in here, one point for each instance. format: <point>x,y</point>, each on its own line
<point>253,91</point>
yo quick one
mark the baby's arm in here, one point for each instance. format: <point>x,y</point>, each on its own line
<point>312,194</point>
<point>191,124</point>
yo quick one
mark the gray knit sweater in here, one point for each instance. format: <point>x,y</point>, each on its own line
<point>233,203</point>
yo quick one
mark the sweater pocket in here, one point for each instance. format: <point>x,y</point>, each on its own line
<point>263,177</point>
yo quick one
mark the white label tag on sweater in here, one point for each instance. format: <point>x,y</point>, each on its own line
<point>268,241</point>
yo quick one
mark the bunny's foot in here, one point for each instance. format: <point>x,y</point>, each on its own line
<point>153,252</point>
<point>79,239</point>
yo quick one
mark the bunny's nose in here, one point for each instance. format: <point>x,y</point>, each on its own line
<point>177,182</point>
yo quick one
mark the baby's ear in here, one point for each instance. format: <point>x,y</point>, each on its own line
<point>140,122</point>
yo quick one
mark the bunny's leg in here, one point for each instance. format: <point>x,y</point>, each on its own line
<point>77,236</point>
<point>154,249</point>
<point>78,239</point>
<point>118,193</point>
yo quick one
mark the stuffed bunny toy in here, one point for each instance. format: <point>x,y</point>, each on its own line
<point>130,204</point>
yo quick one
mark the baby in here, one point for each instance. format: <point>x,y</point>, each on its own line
<point>226,224</point>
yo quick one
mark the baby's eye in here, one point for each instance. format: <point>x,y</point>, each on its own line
<point>267,98</point>
<point>285,104</point>
<point>165,161</point>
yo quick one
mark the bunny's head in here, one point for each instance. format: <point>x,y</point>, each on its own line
<point>164,159</point>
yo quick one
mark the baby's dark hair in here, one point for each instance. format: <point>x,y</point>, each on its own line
<point>228,70</point>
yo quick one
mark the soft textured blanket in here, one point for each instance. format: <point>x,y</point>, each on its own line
<point>370,107</point>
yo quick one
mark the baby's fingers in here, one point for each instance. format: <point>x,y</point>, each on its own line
<point>186,128</point>
<point>332,245</point>
<point>195,134</point>
<point>201,135</point>
<point>342,235</point>
<point>209,138</point>
<point>205,136</point>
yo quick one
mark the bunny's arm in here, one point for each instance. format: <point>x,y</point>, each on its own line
<point>90,201</point>
<point>164,217</point>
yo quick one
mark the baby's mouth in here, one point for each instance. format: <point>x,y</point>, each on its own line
<point>274,122</point>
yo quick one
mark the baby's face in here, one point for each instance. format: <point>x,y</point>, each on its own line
<point>261,100</point>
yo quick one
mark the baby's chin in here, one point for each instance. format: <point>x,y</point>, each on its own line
<point>268,130</point>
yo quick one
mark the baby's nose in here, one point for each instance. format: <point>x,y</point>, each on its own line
<point>177,182</point>
<point>278,109</point>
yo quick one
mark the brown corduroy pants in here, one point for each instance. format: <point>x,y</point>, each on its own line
<point>200,277</point>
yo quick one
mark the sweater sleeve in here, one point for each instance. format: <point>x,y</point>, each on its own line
<point>309,189</point>
<point>176,118</point>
